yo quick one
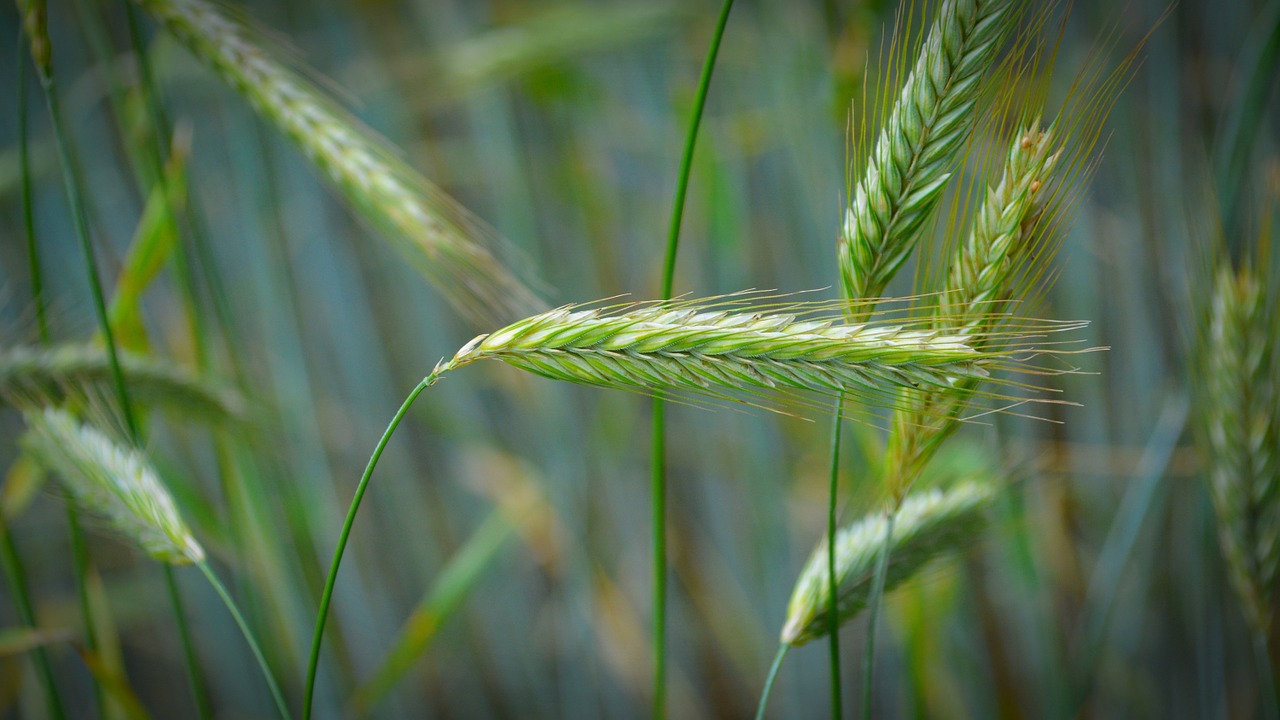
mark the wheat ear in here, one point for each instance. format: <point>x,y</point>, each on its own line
<point>907,168</point>
<point>430,229</point>
<point>1241,369</point>
<point>113,481</point>
<point>39,375</point>
<point>700,347</point>
<point>928,524</point>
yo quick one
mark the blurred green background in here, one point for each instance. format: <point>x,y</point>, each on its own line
<point>1098,592</point>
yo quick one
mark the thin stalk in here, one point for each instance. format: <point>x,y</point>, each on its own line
<point>327,595</point>
<point>79,552</point>
<point>1266,676</point>
<point>877,596</point>
<point>17,580</point>
<point>198,691</point>
<point>248,637</point>
<point>768,683</point>
<point>658,479</point>
<point>833,636</point>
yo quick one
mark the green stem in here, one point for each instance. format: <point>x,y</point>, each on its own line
<point>833,620</point>
<point>658,479</point>
<point>198,691</point>
<point>768,683</point>
<point>873,620</point>
<point>1266,676</point>
<point>17,580</point>
<point>327,595</point>
<point>248,637</point>
<point>80,561</point>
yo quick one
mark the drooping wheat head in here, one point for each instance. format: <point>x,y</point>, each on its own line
<point>440,238</point>
<point>927,525</point>
<point>113,481</point>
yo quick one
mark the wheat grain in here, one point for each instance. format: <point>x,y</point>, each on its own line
<point>927,525</point>
<point>112,481</point>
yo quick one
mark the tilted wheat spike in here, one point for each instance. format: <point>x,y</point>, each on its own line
<point>705,348</point>
<point>1240,407</point>
<point>44,375</point>
<point>430,229</point>
<point>927,524</point>
<point>981,277</point>
<point>113,481</point>
<point>909,165</point>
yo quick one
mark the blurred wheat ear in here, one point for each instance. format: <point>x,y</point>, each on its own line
<point>1240,412</point>
<point>455,250</point>
<point>927,525</point>
<point>112,481</point>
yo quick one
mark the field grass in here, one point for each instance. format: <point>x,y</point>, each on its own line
<point>255,228</point>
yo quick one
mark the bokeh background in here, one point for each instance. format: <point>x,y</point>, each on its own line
<point>1098,591</point>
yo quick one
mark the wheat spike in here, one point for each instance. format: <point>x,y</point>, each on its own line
<point>112,481</point>
<point>430,229</point>
<point>908,166</point>
<point>706,348</point>
<point>39,375</point>
<point>1241,370</point>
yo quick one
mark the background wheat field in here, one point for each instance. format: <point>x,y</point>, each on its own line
<point>504,547</point>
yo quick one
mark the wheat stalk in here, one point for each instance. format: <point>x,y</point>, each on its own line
<point>432,231</point>
<point>113,481</point>
<point>1241,370</point>
<point>707,348</point>
<point>45,375</point>
<point>928,524</point>
<point>907,168</point>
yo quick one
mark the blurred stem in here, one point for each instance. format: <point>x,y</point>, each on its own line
<point>768,683</point>
<point>198,690</point>
<point>327,595</point>
<point>658,480</point>
<point>80,554</point>
<point>1266,676</point>
<point>833,632</point>
<point>16,579</point>
<point>248,636</point>
<point>873,619</point>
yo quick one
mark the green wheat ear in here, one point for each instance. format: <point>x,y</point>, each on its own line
<point>112,481</point>
<point>1240,367</point>
<point>908,168</point>
<point>439,237</point>
<point>927,525</point>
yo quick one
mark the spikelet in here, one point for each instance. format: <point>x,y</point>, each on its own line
<point>43,376</point>
<point>432,231</point>
<point>112,481</point>
<point>1240,411</point>
<point>707,348</point>
<point>909,165</point>
<point>927,525</point>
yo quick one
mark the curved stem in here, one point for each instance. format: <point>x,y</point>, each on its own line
<point>248,636</point>
<point>877,596</point>
<point>768,683</point>
<point>326,597</point>
<point>833,620</point>
<point>658,478</point>
<point>199,692</point>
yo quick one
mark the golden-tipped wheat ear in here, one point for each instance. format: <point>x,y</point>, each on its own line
<point>113,481</point>
<point>41,376</point>
<point>908,167</point>
<point>928,524</point>
<point>432,231</point>
<point>1240,407</point>
<point>721,348</point>
<point>981,276</point>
